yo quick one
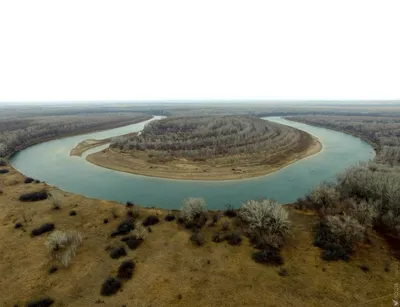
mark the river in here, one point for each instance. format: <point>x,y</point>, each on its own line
<point>50,162</point>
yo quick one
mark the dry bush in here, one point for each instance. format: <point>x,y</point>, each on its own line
<point>268,223</point>
<point>62,245</point>
<point>345,229</point>
<point>192,208</point>
<point>55,199</point>
<point>140,232</point>
<point>197,238</point>
<point>265,216</point>
<point>34,196</point>
<point>364,212</point>
<point>391,221</point>
<point>269,255</point>
<point>225,225</point>
<point>325,197</point>
<point>261,241</point>
<point>1,187</point>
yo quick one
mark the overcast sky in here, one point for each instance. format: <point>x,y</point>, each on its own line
<point>144,50</point>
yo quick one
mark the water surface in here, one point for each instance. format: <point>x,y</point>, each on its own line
<point>50,162</point>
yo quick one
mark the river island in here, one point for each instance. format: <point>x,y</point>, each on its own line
<point>204,148</point>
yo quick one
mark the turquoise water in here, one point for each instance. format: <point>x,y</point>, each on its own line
<point>50,162</point>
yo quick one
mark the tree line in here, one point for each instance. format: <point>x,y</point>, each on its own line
<point>382,131</point>
<point>16,134</point>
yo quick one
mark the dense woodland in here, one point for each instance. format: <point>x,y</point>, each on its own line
<point>213,136</point>
<point>18,133</point>
<point>363,197</point>
<point>382,131</point>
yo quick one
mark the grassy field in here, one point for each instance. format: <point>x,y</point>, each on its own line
<point>170,269</point>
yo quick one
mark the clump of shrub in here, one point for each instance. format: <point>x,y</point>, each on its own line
<point>335,235</point>
<point>140,232</point>
<point>105,221</point>
<point>4,171</point>
<point>34,196</point>
<point>18,225</point>
<point>266,221</point>
<point>110,286</point>
<point>214,220</point>
<point>62,245</point>
<point>230,211</point>
<point>3,163</point>
<point>55,200</point>
<point>136,237</point>
<point>133,212</point>
<point>132,242</point>
<point>217,237</point>
<point>129,204</point>
<point>193,213</point>
<point>28,180</point>
<point>233,238</point>
<point>151,220</point>
<point>46,227</point>
<point>269,255</point>
<point>225,225</point>
<point>43,302</point>
<point>72,213</point>
<point>345,229</point>
<point>169,217</point>
<point>325,198</point>
<point>197,238</point>
<point>125,270</point>
<point>124,228</point>
<point>117,252</point>
<point>364,212</point>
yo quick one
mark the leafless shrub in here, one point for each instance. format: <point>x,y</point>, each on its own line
<point>391,221</point>
<point>345,228</point>
<point>364,212</point>
<point>62,245</point>
<point>261,241</point>
<point>140,232</point>
<point>55,199</point>
<point>325,197</point>
<point>134,212</point>
<point>225,225</point>
<point>197,238</point>
<point>265,216</point>
<point>192,208</point>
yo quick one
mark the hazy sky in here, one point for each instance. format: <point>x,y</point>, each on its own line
<point>138,50</point>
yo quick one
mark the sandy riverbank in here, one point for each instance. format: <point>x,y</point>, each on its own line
<point>228,168</point>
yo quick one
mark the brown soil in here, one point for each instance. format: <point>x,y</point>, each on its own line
<point>225,168</point>
<point>170,270</point>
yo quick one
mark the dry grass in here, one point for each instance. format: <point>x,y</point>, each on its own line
<point>172,271</point>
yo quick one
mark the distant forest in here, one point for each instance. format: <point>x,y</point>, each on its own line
<point>383,132</point>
